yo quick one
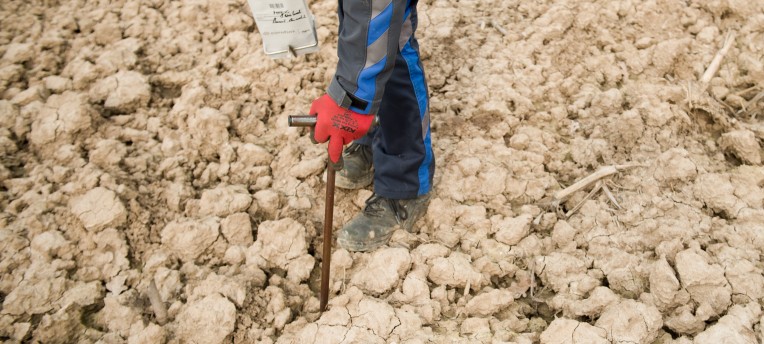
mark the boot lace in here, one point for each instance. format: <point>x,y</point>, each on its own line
<point>375,207</point>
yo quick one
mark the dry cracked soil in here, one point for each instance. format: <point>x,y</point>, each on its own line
<point>147,140</point>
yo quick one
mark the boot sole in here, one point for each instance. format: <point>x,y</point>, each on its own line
<point>366,246</point>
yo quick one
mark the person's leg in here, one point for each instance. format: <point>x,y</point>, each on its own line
<point>401,149</point>
<point>403,160</point>
<point>402,152</point>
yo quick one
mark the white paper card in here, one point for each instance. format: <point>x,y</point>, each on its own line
<point>287,27</point>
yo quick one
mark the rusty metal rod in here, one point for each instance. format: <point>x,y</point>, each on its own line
<point>309,121</point>
<point>327,254</point>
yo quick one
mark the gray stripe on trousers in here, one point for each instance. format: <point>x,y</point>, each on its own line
<point>376,51</point>
<point>406,30</point>
<point>377,6</point>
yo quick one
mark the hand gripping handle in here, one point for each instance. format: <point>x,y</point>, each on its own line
<point>310,121</point>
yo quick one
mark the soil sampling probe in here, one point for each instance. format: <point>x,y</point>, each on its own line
<point>310,121</point>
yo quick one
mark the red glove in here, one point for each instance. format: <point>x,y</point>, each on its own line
<point>338,125</point>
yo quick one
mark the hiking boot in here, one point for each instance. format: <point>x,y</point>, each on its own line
<point>374,226</point>
<point>358,171</point>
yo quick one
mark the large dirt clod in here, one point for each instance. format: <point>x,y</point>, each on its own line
<point>118,314</point>
<point>51,244</point>
<point>99,208</point>
<point>61,119</point>
<point>232,289</point>
<point>383,271</point>
<point>705,282</point>
<point>455,271</point>
<point>488,303</point>
<point>631,321</point>
<point>189,238</point>
<point>511,231</point>
<point>208,129</point>
<point>18,52</point>
<point>237,229</point>
<point>224,201</point>
<point>123,92</point>
<point>34,297</point>
<point>207,321</point>
<point>743,145</point>
<point>665,286</point>
<point>278,243</point>
<point>567,331</point>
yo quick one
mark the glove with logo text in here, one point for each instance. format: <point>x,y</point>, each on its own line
<point>338,125</point>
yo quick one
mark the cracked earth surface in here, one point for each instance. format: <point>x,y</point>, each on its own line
<point>146,140</point>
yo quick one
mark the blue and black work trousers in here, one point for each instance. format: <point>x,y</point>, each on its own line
<point>403,160</point>
<point>379,71</point>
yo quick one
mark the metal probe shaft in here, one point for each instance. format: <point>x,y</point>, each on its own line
<point>309,121</point>
<point>327,254</point>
